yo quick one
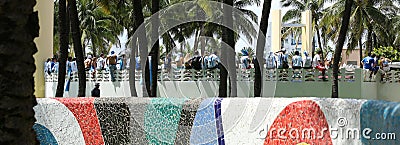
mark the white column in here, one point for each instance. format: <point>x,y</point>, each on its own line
<point>276,28</point>
<point>307,31</point>
<point>44,42</point>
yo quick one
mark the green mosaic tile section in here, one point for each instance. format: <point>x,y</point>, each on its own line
<point>162,119</point>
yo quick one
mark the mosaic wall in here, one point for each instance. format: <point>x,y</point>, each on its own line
<point>121,121</point>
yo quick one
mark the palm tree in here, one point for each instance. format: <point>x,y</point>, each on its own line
<point>17,19</point>
<point>99,29</point>
<point>339,46</point>
<point>365,17</point>
<point>64,40</point>
<point>76,36</point>
<point>260,48</point>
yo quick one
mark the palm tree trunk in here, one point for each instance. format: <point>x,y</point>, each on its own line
<point>156,48</point>
<point>361,54</point>
<point>76,36</point>
<point>375,41</point>
<point>202,41</point>
<point>318,34</point>
<point>93,48</point>
<point>64,41</point>
<point>19,25</point>
<point>369,38</point>
<point>339,47</point>
<point>228,38</point>
<point>139,19</point>
<point>196,41</point>
<point>259,63</point>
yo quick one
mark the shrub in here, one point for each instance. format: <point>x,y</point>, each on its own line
<point>388,52</point>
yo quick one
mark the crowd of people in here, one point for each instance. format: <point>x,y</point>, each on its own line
<point>375,63</point>
<point>92,64</point>
<point>274,60</point>
<point>280,60</point>
<point>197,62</point>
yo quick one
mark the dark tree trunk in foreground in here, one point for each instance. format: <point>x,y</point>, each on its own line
<point>259,64</point>
<point>64,40</point>
<point>143,51</point>
<point>19,25</point>
<point>339,47</point>
<point>154,53</point>
<point>227,37</point>
<point>76,37</point>
<point>230,40</point>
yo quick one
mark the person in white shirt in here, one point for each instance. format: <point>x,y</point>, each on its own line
<point>316,60</point>
<point>307,62</point>
<point>74,67</point>
<point>213,61</point>
<point>319,64</point>
<point>100,62</point>
<point>328,60</point>
<point>47,66</point>
<point>297,61</point>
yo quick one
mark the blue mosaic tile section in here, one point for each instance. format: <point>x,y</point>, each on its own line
<point>44,135</point>
<point>204,129</point>
<point>382,118</point>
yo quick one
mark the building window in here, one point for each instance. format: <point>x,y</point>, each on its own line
<point>351,62</point>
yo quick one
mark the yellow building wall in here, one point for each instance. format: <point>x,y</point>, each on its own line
<point>276,28</point>
<point>44,43</point>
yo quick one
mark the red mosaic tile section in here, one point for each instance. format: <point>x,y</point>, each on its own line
<point>85,113</point>
<point>296,118</point>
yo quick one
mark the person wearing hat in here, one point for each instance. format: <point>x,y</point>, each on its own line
<point>96,90</point>
<point>112,62</point>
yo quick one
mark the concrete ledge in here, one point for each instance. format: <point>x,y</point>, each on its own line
<point>128,120</point>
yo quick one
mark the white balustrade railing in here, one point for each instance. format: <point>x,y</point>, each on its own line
<point>291,75</point>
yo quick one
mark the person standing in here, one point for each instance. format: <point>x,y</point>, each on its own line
<point>297,61</point>
<point>307,62</point>
<point>179,61</point>
<point>96,91</point>
<point>365,62</point>
<point>328,60</point>
<point>47,66</point>
<point>167,62</point>
<point>245,60</point>
<point>319,64</point>
<point>74,67</point>
<point>213,61</point>
<point>282,59</point>
<point>100,62</point>
<point>88,62</point>
<point>54,68</point>
<point>270,61</point>
<point>195,61</point>
<point>112,62</point>
<point>69,74</point>
<point>93,66</point>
